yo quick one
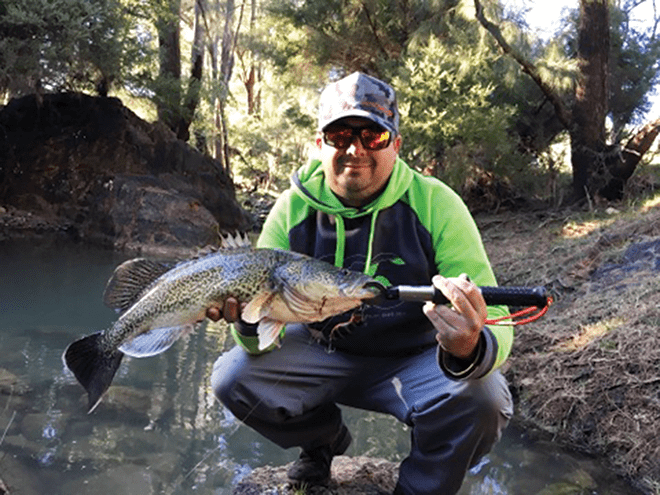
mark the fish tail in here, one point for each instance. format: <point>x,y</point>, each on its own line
<point>93,366</point>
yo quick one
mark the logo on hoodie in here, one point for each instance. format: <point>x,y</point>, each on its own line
<point>373,269</point>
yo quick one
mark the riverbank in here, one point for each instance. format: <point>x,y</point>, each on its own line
<point>588,373</point>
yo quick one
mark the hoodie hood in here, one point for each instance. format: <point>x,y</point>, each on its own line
<point>309,183</point>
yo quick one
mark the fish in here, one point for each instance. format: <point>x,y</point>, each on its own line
<point>160,302</point>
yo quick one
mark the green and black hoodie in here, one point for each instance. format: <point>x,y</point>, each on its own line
<point>416,228</point>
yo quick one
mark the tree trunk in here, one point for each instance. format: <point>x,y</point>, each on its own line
<point>251,70</point>
<point>195,83</point>
<point>587,131</point>
<point>226,70</point>
<point>169,97</point>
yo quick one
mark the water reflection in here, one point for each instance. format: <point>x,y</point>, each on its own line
<point>160,430</point>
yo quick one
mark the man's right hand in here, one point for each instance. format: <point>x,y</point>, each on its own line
<point>230,311</point>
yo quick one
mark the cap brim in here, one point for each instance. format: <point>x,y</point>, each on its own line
<point>364,114</point>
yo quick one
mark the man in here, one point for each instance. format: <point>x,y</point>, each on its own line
<point>433,367</point>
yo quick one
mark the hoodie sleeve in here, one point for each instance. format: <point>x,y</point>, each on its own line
<point>245,335</point>
<point>275,231</point>
<point>459,249</point>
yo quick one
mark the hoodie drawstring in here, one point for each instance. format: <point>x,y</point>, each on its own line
<point>370,245</point>
<point>341,241</point>
<point>340,247</point>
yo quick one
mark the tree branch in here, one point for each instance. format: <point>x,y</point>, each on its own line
<point>563,113</point>
<point>640,143</point>
<point>372,25</point>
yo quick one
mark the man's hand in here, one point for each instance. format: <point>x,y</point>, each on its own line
<point>231,311</point>
<point>459,327</point>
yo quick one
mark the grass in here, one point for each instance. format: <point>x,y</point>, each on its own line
<point>588,371</point>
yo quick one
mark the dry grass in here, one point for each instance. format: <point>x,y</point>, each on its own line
<point>589,371</point>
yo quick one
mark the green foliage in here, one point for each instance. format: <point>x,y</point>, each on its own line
<point>535,122</point>
<point>465,109</point>
<point>448,119</point>
<point>634,69</point>
<point>279,141</point>
<point>368,35</point>
<point>66,44</point>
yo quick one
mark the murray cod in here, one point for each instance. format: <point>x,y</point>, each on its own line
<point>160,303</point>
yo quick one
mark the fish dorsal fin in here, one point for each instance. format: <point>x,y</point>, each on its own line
<point>268,332</point>
<point>205,251</point>
<point>257,308</point>
<point>154,341</point>
<point>129,281</point>
<point>228,242</point>
<point>239,240</point>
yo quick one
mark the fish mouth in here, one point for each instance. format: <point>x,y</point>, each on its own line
<point>377,292</point>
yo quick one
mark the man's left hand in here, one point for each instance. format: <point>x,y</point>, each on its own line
<point>460,325</point>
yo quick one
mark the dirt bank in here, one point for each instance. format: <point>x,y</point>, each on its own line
<point>588,372</point>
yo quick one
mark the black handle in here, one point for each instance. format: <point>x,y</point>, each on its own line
<point>510,296</point>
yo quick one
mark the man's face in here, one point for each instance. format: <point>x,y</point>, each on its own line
<point>356,174</point>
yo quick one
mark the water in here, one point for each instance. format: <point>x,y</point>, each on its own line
<point>160,430</point>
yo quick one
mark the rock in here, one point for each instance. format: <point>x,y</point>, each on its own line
<point>638,259</point>
<point>16,477</point>
<point>350,476</point>
<point>10,384</point>
<point>109,177</point>
<point>141,214</point>
<point>127,479</point>
<point>38,427</point>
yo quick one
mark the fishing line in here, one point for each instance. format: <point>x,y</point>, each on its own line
<point>240,422</point>
<point>11,420</point>
<point>311,341</point>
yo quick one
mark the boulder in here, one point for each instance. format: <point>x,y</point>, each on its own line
<point>92,165</point>
<point>143,214</point>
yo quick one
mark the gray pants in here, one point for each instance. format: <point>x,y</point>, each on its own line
<point>290,396</point>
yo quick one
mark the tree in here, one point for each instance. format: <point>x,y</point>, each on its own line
<point>55,45</point>
<point>222,71</point>
<point>599,167</point>
<point>174,109</point>
<point>168,89</point>
<point>250,65</point>
<point>193,95</point>
<point>366,35</point>
<point>452,128</point>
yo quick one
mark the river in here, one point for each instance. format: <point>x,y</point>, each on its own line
<point>160,430</point>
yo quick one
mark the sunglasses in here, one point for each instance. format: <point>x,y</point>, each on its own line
<point>372,138</point>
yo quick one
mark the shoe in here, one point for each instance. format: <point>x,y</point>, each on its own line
<point>313,466</point>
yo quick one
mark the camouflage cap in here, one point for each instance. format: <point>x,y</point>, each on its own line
<point>359,95</point>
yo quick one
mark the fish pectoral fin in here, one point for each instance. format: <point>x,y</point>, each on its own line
<point>93,366</point>
<point>268,332</point>
<point>154,341</point>
<point>129,281</point>
<point>257,308</point>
